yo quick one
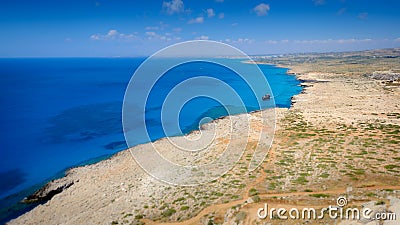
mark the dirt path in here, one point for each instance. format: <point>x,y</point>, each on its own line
<point>222,208</point>
<point>218,207</point>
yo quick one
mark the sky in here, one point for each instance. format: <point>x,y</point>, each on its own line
<point>112,28</point>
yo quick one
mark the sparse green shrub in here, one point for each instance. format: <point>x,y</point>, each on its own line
<point>319,195</point>
<point>256,198</point>
<point>253,192</point>
<point>169,212</point>
<point>129,214</point>
<point>370,194</point>
<point>179,200</point>
<point>139,216</point>
<point>185,207</point>
<point>324,175</point>
<point>380,202</point>
<point>219,194</point>
<point>301,180</point>
<point>240,216</point>
<point>390,167</point>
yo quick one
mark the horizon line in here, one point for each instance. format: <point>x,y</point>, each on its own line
<point>250,55</point>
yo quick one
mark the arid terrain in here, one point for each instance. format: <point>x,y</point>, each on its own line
<point>341,137</point>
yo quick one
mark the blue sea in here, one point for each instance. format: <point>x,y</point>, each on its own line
<point>58,113</point>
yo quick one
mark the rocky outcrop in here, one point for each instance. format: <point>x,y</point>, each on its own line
<point>384,75</point>
<point>49,190</point>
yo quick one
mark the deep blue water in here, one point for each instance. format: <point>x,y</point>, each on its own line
<point>57,113</point>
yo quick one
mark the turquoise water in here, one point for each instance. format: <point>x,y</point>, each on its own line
<point>61,112</point>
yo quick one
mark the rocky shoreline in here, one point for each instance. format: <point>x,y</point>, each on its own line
<point>119,179</point>
<point>46,192</point>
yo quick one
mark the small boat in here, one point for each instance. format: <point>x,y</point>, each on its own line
<point>266,97</point>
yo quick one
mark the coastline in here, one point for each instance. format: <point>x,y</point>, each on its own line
<point>76,176</point>
<point>327,101</point>
<point>17,199</point>
<point>55,187</point>
<point>290,71</point>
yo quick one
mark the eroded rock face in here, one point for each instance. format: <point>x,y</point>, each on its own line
<point>49,190</point>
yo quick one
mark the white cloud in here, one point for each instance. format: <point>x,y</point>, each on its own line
<point>152,28</point>
<point>174,6</point>
<point>199,19</point>
<point>261,9</point>
<point>112,34</point>
<point>178,29</point>
<point>319,2</point>
<point>151,33</point>
<point>271,42</point>
<point>221,15</point>
<point>353,40</point>
<point>161,26</point>
<point>240,40</point>
<point>188,11</point>
<point>202,37</point>
<point>245,40</point>
<point>332,41</point>
<point>210,12</point>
